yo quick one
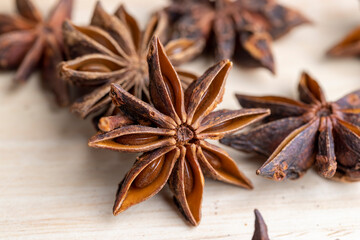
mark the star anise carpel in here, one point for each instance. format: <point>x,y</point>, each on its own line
<point>348,46</point>
<point>261,231</point>
<point>172,134</point>
<point>236,29</point>
<point>27,41</point>
<point>305,133</point>
<point>113,49</point>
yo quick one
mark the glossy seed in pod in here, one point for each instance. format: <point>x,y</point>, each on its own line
<point>136,139</point>
<point>150,173</point>
<point>188,178</point>
<point>212,159</point>
<point>94,67</point>
<point>221,125</point>
<point>169,89</point>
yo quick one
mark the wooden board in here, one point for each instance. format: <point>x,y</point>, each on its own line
<point>54,187</point>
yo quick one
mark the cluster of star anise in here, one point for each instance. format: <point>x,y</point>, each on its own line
<point>146,105</point>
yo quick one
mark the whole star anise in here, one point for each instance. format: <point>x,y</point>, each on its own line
<point>113,50</point>
<point>172,134</point>
<point>304,133</point>
<point>261,231</point>
<point>239,29</point>
<point>349,46</point>
<point>27,40</point>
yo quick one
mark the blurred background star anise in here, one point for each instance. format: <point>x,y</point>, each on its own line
<point>241,30</point>
<point>27,41</point>
<point>113,49</point>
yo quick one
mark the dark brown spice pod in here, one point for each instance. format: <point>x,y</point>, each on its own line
<point>242,30</point>
<point>28,41</point>
<point>305,133</point>
<point>111,50</point>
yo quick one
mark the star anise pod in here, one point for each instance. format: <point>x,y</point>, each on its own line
<point>304,133</point>
<point>261,231</point>
<point>349,46</point>
<point>172,134</point>
<point>239,29</point>
<point>28,40</point>
<point>113,50</point>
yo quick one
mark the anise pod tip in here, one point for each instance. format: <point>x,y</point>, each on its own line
<point>249,184</point>
<point>261,231</point>
<point>334,51</point>
<point>153,47</point>
<point>116,209</point>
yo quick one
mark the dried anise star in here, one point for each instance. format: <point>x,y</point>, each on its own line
<point>172,134</point>
<point>261,231</point>
<point>113,50</point>
<point>27,40</point>
<point>238,29</point>
<point>304,133</point>
<point>349,46</point>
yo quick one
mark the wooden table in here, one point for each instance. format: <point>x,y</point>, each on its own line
<point>54,187</point>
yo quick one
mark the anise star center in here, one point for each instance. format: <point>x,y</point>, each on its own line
<point>140,65</point>
<point>184,134</point>
<point>324,111</point>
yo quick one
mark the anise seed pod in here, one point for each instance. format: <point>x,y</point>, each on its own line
<point>172,134</point>
<point>113,49</point>
<point>236,29</point>
<point>28,40</point>
<point>261,231</point>
<point>305,133</point>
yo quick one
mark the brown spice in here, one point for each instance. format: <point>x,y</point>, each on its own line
<point>261,231</point>
<point>113,50</point>
<point>172,134</point>
<point>348,46</point>
<point>27,40</point>
<point>305,133</point>
<point>242,29</point>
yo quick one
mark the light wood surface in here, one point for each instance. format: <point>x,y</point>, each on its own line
<point>54,187</point>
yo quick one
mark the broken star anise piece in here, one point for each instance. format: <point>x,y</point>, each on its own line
<point>27,40</point>
<point>239,29</point>
<point>349,46</point>
<point>304,133</point>
<point>113,50</point>
<point>172,134</point>
<point>261,231</point>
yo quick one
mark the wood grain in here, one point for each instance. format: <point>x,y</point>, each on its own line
<point>54,187</point>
